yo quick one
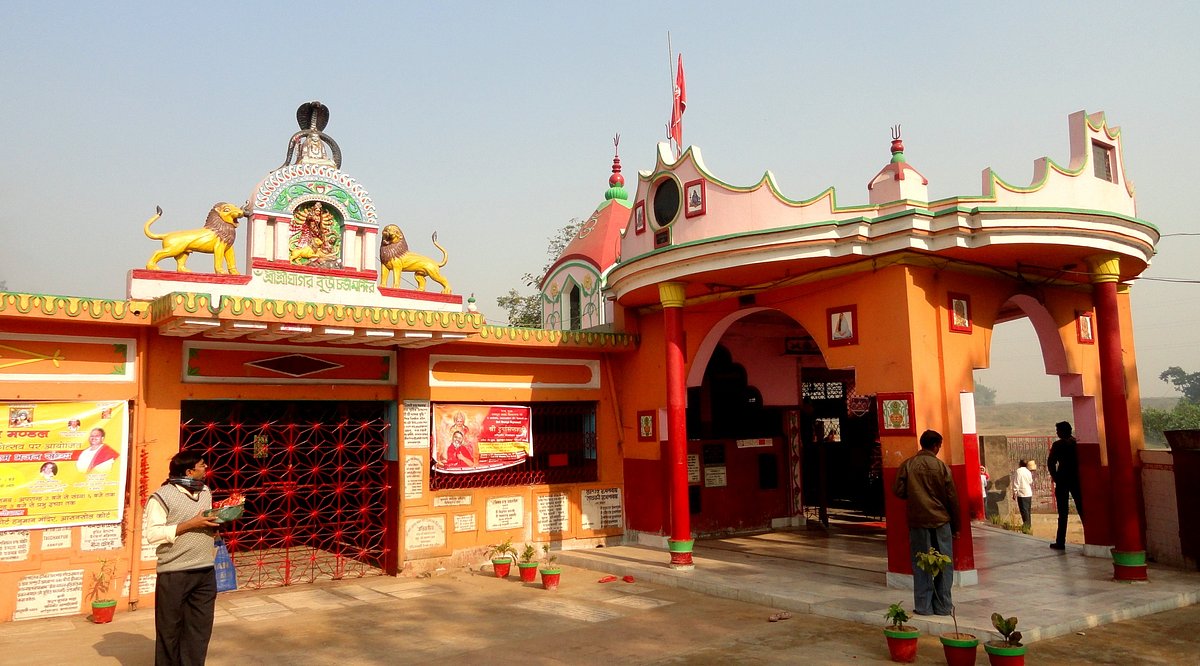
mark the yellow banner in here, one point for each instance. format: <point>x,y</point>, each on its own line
<point>62,464</point>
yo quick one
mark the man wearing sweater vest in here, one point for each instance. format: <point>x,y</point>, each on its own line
<point>186,588</point>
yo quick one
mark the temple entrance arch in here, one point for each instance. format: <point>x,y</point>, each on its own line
<point>1066,380</point>
<point>770,439</point>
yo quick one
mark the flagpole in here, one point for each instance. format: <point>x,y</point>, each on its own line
<point>671,82</point>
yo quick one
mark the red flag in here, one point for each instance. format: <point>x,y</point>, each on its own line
<point>680,103</point>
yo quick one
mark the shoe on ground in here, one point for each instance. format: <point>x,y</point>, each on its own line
<point>1058,546</point>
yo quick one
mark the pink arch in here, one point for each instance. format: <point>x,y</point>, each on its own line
<point>1054,357</point>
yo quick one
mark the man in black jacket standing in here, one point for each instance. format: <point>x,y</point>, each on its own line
<point>1063,464</point>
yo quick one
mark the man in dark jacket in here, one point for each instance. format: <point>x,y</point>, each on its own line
<point>925,483</point>
<point>1063,464</point>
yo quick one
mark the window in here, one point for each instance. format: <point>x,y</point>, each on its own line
<point>1102,161</point>
<point>573,297</point>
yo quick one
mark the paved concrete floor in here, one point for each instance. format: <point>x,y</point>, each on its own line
<point>664,617</point>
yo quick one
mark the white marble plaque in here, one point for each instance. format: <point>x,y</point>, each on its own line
<point>452,500</point>
<point>56,538</point>
<point>464,522</point>
<point>416,424</point>
<point>149,552</point>
<point>693,462</point>
<point>14,546</point>
<point>425,532</point>
<point>552,514</point>
<point>714,477</point>
<point>505,513</point>
<point>601,508</point>
<point>147,583</point>
<point>100,537</point>
<point>49,595</point>
<point>414,480</point>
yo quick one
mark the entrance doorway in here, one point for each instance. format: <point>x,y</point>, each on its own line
<point>315,478</point>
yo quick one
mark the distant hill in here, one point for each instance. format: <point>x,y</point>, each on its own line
<point>1038,418</point>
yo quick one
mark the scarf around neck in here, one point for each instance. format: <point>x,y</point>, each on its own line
<point>192,485</point>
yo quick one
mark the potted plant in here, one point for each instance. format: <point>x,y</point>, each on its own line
<point>502,556</point>
<point>901,638</point>
<point>103,606</point>
<point>550,572</point>
<point>528,565</point>
<point>960,648</point>
<point>1008,651</point>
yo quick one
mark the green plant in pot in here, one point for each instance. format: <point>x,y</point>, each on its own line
<point>901,638</point>
<point>103,605</point>
<point>550,571</point>
<point>959,648</point>
<point>1008,651</point>
<point>528,565</point>
<point>502,555</point>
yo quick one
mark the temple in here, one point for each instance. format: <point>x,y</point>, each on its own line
<point>713,359</point>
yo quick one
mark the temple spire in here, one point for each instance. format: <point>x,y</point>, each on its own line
<point>616,182</point>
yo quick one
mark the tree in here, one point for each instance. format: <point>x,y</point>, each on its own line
<point>526,311</point>
<point>1187,383</point>
<point>1185,415</point>
<point>523,311</point>
<point>985,396</point>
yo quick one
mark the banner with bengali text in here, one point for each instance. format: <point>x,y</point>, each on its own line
<point>62,463</point>
<point>478,438</point>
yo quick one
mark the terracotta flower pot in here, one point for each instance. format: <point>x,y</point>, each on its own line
<point>550,578</point>
<point>102,611</point>
<point>902,643</point>
<point>501,566</point>
<point>529,571</point>
<point>960,649</point>
<point>1005,655</point>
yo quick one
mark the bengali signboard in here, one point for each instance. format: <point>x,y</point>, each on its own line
<point>416,424</point>
<point>600,508</point>
<point>62,464</point>
<point>479,438</point>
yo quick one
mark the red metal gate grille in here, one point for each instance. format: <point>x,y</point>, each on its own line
<point>314,475</point>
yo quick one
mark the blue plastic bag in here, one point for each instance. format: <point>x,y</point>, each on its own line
<point>226,572</point>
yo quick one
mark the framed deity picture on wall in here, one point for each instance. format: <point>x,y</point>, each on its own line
<point>639,217</point>
<point>647,430</point>
<point>1085,327</point>
<point>693,193</point>
<point>842,323</point>
<point>895,414</point>
<point>960,313</point>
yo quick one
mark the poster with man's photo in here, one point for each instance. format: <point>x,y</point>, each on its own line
<point>62,464</point>
<point>478,438</point>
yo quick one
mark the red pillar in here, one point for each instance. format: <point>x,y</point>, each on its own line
<point>1129,553</point>
<point>672,296</point>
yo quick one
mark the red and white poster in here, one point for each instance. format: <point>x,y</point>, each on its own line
<point>478,438</point>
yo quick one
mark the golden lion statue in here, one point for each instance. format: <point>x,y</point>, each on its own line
<point>394,258</point>
<point>216,238</point>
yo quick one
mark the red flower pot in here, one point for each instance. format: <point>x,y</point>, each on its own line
<point>102,611</point>
<point>1004,655</point>
<point>902,644</point>
<point>529,571</point>
<point>550,578</point>
<point>960,649</point>
<point>501,566</point>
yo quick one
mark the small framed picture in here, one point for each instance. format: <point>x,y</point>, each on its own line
<point>843,325</point>
<point>647,431</point>
<point>694,195</point>
<point>960,313</point>
<point>896,414</point>
<point>1085,327</point>
<point>639,217</point>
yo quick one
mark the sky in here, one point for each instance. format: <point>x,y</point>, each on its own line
<point>492,124</point>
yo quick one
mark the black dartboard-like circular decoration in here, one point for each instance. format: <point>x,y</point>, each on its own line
<point>666,201</point>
